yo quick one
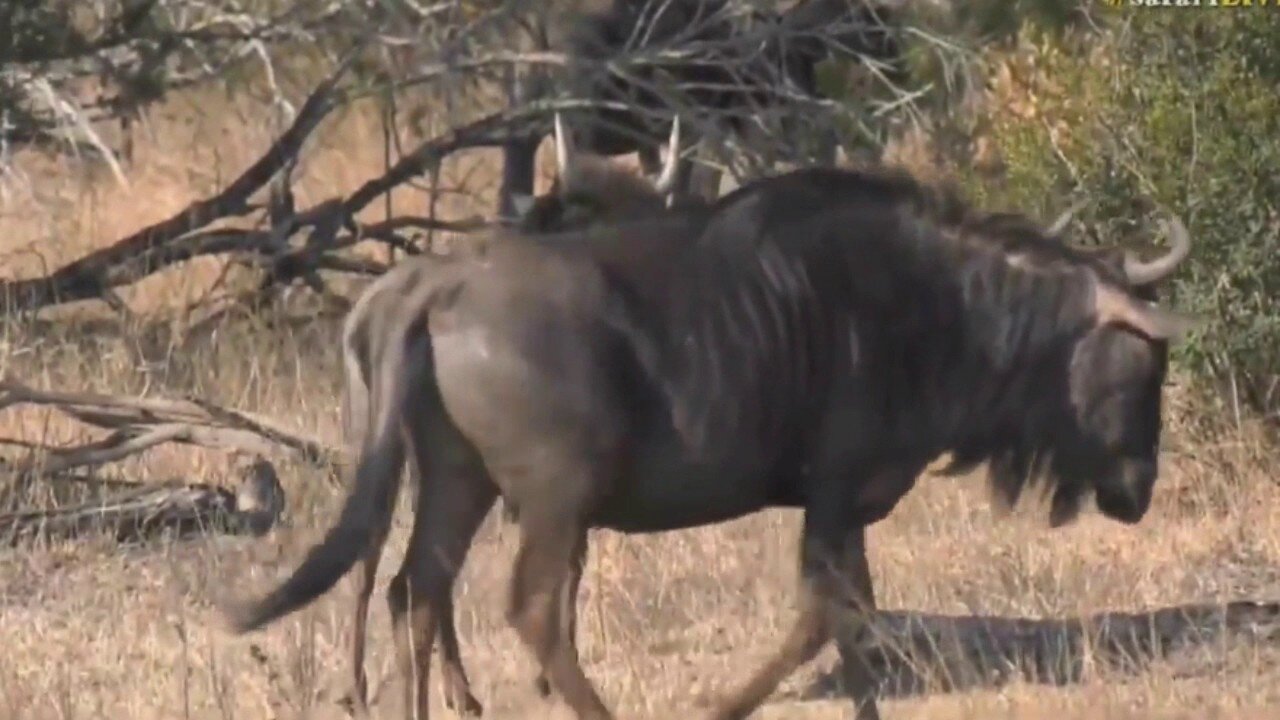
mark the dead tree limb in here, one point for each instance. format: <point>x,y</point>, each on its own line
<point>146,251</point>
<point>175,507</point>
<point>179,238</point>
<point>138,424</point>
<point>185,236</point>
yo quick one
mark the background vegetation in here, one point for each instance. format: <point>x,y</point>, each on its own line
<point>1163,112</point>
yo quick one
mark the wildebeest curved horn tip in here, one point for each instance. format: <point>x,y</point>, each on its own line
<point>1146,272</point>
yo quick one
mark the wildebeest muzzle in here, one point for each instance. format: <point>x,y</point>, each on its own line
<point>1126,495</point>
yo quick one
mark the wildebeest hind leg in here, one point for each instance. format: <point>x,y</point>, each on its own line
<point>451,505</point>
<point>568,616</point>
<point>364,579</point>
<point>457,688</point>
<point>549,548</point>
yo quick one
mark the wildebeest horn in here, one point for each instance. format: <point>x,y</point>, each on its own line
<point>1145,272</point>
<point>1150,319</point>
<point>667,179</point>
<point>564,152</point>
<point>1060,224</point>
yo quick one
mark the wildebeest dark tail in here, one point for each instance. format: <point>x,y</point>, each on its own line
<point>404,368</point>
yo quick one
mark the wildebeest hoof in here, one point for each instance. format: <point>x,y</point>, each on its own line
<point>542,686</point>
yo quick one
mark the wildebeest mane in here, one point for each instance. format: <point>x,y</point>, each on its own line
<point>1019,456</point>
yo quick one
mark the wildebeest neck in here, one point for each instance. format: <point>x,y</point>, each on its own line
<point>1016,322</point>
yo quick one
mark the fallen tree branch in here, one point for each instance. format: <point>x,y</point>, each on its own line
<point>181,509</point>
<point>142,253</point>
<point>142,423</point>
<point>488,131</point>
<point>318,252</point>
<point>180,238</point>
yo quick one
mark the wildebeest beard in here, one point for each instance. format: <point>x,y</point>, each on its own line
<point>954,323</point>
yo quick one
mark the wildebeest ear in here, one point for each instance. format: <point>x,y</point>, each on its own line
<point>522,204</point>
<point>1156,322</point>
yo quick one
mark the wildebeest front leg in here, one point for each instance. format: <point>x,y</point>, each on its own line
<point>833,569</point>
<point>852,608</point>
<point>568,616</point>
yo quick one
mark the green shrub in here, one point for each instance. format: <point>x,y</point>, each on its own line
<point>1163,111</point>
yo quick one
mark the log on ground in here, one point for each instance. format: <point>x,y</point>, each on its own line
<point>177,509</point>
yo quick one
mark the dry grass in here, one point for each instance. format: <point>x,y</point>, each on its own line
<point>92,630</point>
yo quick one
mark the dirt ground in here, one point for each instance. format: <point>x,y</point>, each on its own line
<point>92,630</point>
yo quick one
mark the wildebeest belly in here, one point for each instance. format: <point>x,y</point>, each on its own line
<point>658,491</point>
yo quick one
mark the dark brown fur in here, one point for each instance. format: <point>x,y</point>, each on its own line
<point>828,335</point>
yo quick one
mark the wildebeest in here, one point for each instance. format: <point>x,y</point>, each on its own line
<point>827,336</point>
<point>725,73</point>
<point>591,190</point>
<point>587,191</point>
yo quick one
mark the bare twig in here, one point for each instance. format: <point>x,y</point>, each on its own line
<point>140,254</point>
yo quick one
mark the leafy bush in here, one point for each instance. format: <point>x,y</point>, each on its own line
<point>1175,111</point>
